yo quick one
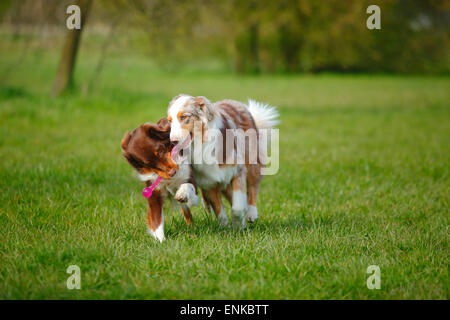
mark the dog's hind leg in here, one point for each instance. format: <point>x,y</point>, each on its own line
<point>239,201</point>
<point>214,198</point>
<point>253,183</point>
<point>228,193</point>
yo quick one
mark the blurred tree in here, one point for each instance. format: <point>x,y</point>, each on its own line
<point>5,6</point>
<point>248,36</point>
<point>112,13</point>
<point>64,74</point>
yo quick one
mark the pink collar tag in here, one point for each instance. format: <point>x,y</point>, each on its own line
<point>147,192</point>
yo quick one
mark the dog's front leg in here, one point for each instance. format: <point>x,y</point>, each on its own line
<point>155,216</point>
<point>186,194</point>
<point>186,213</point>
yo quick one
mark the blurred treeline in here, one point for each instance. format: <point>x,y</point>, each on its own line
<point>260,35</point>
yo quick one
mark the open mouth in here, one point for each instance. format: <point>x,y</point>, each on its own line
<point>177,149</point>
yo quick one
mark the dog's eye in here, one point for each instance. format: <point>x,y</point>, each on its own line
<point>185,116</point>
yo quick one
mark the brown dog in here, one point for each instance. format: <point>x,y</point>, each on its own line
<point>148,149</point>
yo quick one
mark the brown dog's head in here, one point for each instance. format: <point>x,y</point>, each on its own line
<point>148,148</point>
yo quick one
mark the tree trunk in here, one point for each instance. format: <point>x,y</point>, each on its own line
<point>64,75</point>
<point>254,47</point>
<point>290,45</point>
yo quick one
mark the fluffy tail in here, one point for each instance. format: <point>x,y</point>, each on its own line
<point>265,116</point>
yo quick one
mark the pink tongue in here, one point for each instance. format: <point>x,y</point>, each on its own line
<point>180,145</point>
<point>175,150</point>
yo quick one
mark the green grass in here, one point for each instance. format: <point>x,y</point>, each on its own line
<point>363,180</point>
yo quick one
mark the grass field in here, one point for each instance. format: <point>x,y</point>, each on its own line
<point>363,180</point>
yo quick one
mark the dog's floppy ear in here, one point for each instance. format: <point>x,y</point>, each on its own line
<point>157,131</point>
<point>164,123</point>
<point>205,105</point>
<point>125,140</point>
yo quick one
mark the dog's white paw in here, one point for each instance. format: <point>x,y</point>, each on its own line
<point>252,214</point>
<point>186,194</point>
<point>182,194</point>
<point>158,234</point>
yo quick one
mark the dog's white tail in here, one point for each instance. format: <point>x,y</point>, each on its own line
<point>265,116</point>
